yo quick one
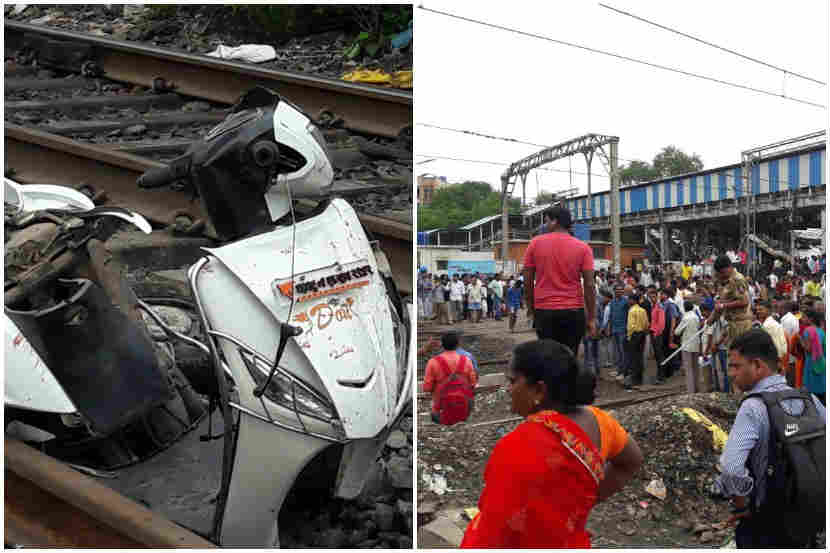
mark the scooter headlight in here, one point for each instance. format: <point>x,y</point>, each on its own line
<point>287,391</point>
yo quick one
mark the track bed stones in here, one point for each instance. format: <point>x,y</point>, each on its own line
<point>381,517</point>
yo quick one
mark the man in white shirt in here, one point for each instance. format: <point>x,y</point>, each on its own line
<point>773,281</point>
<point>457,298</point>
<point>774,329</point>
<point>476,296</point>
<point>691,349</point>
<point>789,322</point>
<point>753,291</point>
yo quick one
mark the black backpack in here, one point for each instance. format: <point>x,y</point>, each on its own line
<point>796,470</point>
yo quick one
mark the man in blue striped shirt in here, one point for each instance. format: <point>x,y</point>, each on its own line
<point>753,367</point>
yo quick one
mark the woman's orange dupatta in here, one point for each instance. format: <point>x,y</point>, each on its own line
<point>540,485</point>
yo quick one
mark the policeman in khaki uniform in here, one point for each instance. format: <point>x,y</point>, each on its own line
<point>733,302</point>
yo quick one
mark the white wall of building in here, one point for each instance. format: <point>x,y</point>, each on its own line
<point>429,256</point>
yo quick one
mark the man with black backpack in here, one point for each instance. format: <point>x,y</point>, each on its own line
<point>773,464</point>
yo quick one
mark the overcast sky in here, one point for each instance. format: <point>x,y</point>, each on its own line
<point>500,83</point>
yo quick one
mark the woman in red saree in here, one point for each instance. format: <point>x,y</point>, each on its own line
<point>543,479</point>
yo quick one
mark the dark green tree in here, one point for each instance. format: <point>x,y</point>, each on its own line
<point>637,171</point>
<point>673,161</point>
<point>460,204</point>
<point>669,162</point>
<point>545,197</point>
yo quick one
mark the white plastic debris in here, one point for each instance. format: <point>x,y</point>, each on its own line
<point>657,488</point>
<point>19,8</point>
<point>133,10</point>
<point>48,18</point>
<point>435,483</point>
<point>253,53</point>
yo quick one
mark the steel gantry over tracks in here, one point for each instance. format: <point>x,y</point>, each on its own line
<point>587,145</point>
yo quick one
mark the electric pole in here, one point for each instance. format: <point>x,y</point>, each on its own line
<point>504,197</point>
<point>615,203</point>
<point>589,155</point>
<point>747,187</point>
<point>792,227</point>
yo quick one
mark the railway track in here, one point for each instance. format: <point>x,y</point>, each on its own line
<point>603,404</point>
<point>94,113</point>
<point>366,109</point>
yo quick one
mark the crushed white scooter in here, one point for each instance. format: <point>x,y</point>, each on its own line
<point>307,338</point>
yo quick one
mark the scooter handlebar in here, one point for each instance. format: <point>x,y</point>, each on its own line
<point>155,178</point>
<point>161,176</point>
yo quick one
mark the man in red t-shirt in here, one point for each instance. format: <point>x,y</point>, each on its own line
<point>436,373</point>
<point>562,307</point>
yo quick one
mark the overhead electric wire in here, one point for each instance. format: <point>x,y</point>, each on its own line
<point>664,27</point>
<point>506,163</point>
<point>474,133</point>
<point>626,58</point>
<point>491,137</point>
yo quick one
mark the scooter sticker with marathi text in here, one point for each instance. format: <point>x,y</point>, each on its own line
<point>320,283</point>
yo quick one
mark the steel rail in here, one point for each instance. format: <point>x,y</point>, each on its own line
<point>363,108</point>
<point>603,404</point>
<point>42,158</point>
<point>48,504</point>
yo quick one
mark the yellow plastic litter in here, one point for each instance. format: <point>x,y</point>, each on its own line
<point>398,79</point>
<point>718,435</point>
<point>471,512</point>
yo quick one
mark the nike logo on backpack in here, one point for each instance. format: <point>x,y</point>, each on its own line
<point>790,429</point>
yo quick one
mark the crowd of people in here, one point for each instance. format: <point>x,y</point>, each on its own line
<point>698,317</point>
<point>468,297</point>
<point>726,332</point>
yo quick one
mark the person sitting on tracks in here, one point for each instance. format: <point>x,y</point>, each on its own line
<point>442,365</point>
<point>544,477</point>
